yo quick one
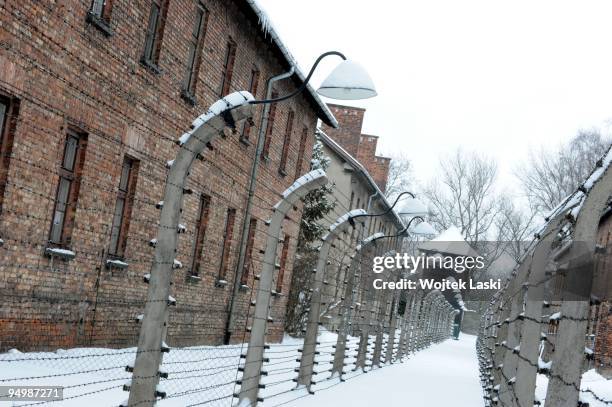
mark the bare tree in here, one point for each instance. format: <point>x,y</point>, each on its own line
<point>463,195</point>
<point>516,227</point>
<point>400,176</point>
<point>548,176</point>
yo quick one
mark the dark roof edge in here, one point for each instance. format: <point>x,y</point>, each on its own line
<point>267,29</point>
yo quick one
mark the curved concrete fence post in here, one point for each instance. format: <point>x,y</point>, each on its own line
<point>414,319</point>
<point>392,328</point>
<point>312,328</point>
<point>381,319</point>
<point>509,345</point>
<point>249,384</point>
<point>528,332</point>
<point>349,303</point>
<point>568,357</point>
<point>403,326</point>
<point>225,112</point>
<point>501,314</point>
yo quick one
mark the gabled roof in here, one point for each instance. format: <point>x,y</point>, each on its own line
<point>451,241</point>
<point>356,165</point>
<point>256,13</point>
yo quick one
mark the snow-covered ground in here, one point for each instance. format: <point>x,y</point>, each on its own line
<point>592,386</point>
<point>201,375</point>
<point>443,375</point>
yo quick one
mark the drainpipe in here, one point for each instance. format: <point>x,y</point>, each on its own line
<point>249,205</point>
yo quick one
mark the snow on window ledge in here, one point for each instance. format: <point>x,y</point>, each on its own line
<point>115,263</point>
<point>193,278</point>
<point>220,283</point>
<point>63,254</point>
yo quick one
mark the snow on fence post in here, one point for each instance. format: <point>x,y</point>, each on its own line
<point>422,323</point>
<point>414,319</point>
<point>408,320</point>
<point>225,112</point>
<point>531,328</point>
<point>382,317</point>
<point>249,383</point>
<point>349,303</point>
<point>392,328</point>
<point>568,357</point>
<point>312,326</point>
<point>508,355</point>
<point>403,323</point>
<point>368,307</point>
<point>501,314</point>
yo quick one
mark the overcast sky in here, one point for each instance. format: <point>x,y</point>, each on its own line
<point>498,77</point>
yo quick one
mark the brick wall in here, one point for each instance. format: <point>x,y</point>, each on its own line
<point>65,71</point>
<point>602,328</point>
<point>361,146</point>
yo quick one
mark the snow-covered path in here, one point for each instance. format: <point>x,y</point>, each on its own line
<point>443,375</point>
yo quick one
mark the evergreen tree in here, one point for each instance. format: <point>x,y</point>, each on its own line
<point>317,204</point>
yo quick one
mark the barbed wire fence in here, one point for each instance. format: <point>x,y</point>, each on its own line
<point>75,335</point>
<point>190,375</point>
<point>537,335</point>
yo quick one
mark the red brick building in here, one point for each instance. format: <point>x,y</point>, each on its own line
<point>93,96</point>
<point>359,145</point>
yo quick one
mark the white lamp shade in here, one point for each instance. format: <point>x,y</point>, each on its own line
<point>424,229</point>
<point>413,207</point>
<point>349,81</point>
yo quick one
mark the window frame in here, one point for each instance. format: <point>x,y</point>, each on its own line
<point>265,151</point>
<point>7,138</point>
<point>228,67</point>
<point>248,255</point>
<point>73,177</point>
<point>301,152</point>
<point>198,245</point>
<point>282,165</point>
<point>126,195</point>
<point>154,34</point>
<point>253,85</point>
<point>195,46</point>
<point>228,234</point>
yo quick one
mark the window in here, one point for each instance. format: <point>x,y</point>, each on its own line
<point>100,12</point>
<point>358,203</point>
<point>246,130</point>
<point>200,234</point>
<point>352,199</point>
<point>286,144</point>
<point>228,67</point>
<point>123,207</point>
<point>195,49</point>
<point>249,252</point>
<point>282,264</point>
<point>301,150</point>
<point>227,242</point>
<point>271,116</point>
<point>8,112</point>
<point>155,31</point>
<point>70,173</point>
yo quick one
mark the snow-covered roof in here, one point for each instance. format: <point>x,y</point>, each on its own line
<point>352,161</point>
<point>451,242</point>
<point>267,27</point>
<point>452,234</point>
